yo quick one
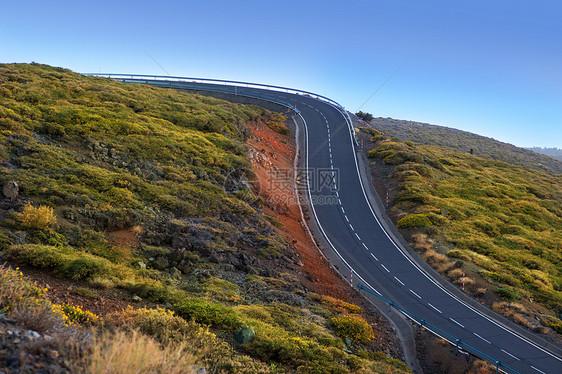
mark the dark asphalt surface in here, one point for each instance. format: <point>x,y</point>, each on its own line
<point>349,224</point>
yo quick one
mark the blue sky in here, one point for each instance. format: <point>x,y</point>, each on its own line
<point>489,67</point>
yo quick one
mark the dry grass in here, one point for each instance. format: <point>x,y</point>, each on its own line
<point>132,352</point>
<point>481,367</point>
<point>102,283</point>
<point>455,273</point>
<point>517,312</point>
<point>422,242</point>
<point>438,261</point>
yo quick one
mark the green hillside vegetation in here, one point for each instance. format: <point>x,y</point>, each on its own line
<point>426,134</point>
<point>499,222</point>
<point>82,157</point>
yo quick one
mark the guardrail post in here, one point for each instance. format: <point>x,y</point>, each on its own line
<point>497,367</point>
<point>457,349</point>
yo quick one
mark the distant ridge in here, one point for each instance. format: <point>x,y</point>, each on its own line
<point>555,153</point>
<point>423,133</point>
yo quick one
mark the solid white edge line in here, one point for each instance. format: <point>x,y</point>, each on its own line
<point>399,281</point>
<point>440,312</point>
<point>486,340</point>
<point>458,323</point>
<point>418,296</point>
<point>424,273</point>
<point>385,268</point>
<point>509,354</point>
<point>316,216</point>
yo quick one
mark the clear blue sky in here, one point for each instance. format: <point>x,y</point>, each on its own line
<point>489,67</point>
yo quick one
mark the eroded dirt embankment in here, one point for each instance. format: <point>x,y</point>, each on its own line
<point>272,157</point>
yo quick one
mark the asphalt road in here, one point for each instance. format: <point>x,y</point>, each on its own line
<point>350,226</point>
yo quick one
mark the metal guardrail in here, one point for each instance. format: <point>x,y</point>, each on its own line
<point>152,79</point>
<point>453,340</point>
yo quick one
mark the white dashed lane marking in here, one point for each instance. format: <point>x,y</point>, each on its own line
<point>347,219</point>
<point>418,296</point>
<point>434,308</point>
<point>384,267</point>
<point>375,257</point>
<point>399,281</point>
<point>486,340</point>
<point>458,323</point>
<point>509,354</point>
<point>352,229</point>
<point>540,371</point>
<point>357,236</point>
<point>365,246</point>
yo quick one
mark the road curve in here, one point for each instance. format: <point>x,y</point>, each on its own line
<point>350,225</point>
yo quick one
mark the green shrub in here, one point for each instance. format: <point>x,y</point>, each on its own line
<point>85,268</point>
<point>5,240</point>
<point>507,294</point>
<point>202,311</point>
<point>40,256</point>
<point>413,220</point>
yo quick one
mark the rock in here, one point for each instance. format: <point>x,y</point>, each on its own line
<point>5,319</point>
<point>250,270</point>
<point>185,267</point>
<point>11,189</point>
<point>245,335</point>
<point>137,299</point>
<point>160,263</point>
<point>175,273</point>
<point>347,342</point>
<point>32,334</point>
<point>142,265</point>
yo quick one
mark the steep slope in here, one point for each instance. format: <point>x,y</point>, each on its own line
<point>140,198</point>
<point>426,134</point>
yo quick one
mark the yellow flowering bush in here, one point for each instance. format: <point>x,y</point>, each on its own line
<point>353,327</point>
<point>74,314</point>
<point>37,218</point>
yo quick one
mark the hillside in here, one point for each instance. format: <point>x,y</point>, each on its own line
<point>426,134</point>
<point>498,223</point>
<point>131,240</point>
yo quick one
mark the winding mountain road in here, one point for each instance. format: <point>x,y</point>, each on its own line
<point>354,232</point>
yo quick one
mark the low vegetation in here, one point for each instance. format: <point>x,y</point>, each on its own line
<point>458,140</point>
<point>500,223</point>
<point>141,195</point>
